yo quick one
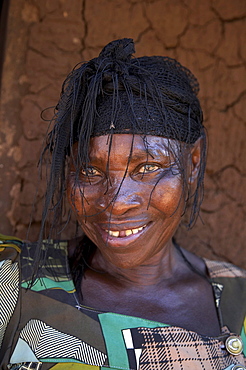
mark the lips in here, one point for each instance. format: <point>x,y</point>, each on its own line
<point>121,234</point>
<point>124,233</point>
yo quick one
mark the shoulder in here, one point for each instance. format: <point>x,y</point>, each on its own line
<point>229,284</point>
<point>7,242</point>
<point>14,251</point>
<point>27,249</point>
<point>52,253</point>
<point>221,269</point>
<point>10,249</point>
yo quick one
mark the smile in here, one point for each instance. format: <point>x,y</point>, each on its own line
<point>124,233</point>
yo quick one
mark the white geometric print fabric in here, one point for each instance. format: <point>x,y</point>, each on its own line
<point>9,290</point>
<point>133,352</point>
<point>47,342</point>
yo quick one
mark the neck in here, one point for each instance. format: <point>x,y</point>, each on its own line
<point>160,267</point>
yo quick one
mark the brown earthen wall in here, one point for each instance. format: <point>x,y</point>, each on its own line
<point>45,39</point>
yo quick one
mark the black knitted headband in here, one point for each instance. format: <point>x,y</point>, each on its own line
<point>116,93</point>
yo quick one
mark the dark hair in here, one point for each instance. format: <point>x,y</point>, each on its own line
<point>155,96</point>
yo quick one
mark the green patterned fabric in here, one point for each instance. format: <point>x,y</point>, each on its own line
<point>45,327</point>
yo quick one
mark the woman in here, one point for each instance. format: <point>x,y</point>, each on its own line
<point>128,146</point>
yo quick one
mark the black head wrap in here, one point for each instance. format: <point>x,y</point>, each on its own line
<point>116,93</point>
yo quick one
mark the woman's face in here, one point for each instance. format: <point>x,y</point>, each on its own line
<point>129,210</point>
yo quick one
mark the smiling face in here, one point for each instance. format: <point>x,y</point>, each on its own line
<point>129,207</point>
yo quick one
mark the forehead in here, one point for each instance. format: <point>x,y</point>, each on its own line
<point>137,145</point>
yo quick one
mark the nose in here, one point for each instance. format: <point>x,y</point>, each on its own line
<point>120,199</point>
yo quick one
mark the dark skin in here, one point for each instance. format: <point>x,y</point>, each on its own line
<point>136,267</point>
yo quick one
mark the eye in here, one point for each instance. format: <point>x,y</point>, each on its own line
<point>90,172</point>
<point>148,168</point>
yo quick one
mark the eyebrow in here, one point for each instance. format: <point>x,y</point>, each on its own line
<point>139,155</point>
<point>160,152</point>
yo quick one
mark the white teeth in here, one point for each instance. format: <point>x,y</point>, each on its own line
<point>127,232</point>
<point>114,233</point>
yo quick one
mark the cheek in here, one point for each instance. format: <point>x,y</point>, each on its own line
<point>81,198</point>
<point>168,196</point>
<point>75,196</point>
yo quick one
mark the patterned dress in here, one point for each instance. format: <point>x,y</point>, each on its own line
<point>45,327</point>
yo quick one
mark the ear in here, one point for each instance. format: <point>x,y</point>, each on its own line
<point>195,161</point>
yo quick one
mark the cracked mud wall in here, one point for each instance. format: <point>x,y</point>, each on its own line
<point>45,39</point>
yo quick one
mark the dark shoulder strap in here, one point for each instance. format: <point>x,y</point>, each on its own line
<point>232,303</point>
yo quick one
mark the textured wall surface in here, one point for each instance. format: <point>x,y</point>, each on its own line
<point>45,39</point>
